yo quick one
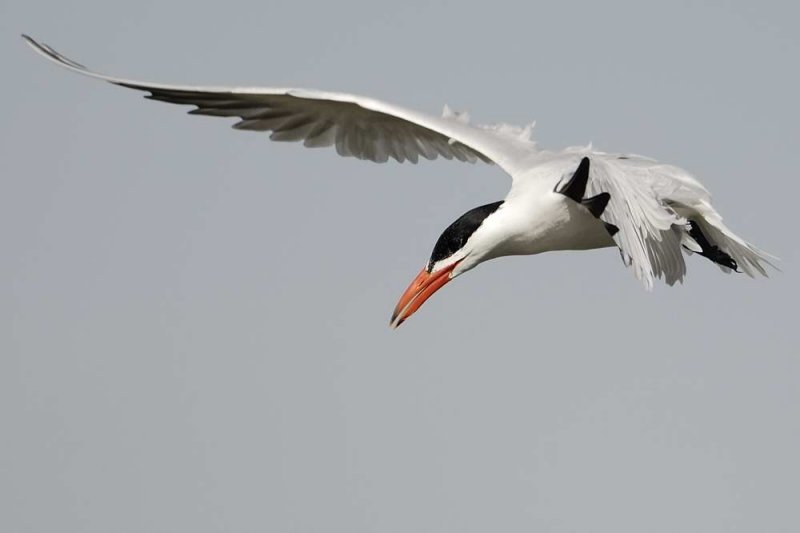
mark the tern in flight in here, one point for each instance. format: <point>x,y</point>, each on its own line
<point>574,199</point>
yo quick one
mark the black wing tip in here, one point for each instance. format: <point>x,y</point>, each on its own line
<point>597,204</point>
<point>576,186</point>
<point>33,43</point>
<point>51,54</point>
<point>711,251</point>
<point>611,228</point>
<point>30,41</point>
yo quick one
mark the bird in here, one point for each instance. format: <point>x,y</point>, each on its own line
<point>577,198</point>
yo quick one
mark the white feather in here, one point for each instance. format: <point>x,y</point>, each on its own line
<point>650,203</point>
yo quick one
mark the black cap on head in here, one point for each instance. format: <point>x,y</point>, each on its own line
<point>456,235</point>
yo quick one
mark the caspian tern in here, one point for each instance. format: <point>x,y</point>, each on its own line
<point>575,199</point>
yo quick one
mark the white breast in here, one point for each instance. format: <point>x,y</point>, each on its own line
<point>536,223</point>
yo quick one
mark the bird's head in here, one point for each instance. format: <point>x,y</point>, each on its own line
<point>458,250</point>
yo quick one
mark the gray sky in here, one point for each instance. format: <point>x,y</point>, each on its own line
<point>183,349</point>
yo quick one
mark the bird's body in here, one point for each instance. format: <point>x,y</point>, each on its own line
<point>575,199</point>
<point>533,221</point>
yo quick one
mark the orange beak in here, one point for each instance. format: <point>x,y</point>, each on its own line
<point>422,288</point>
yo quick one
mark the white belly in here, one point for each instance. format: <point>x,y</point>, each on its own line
<point>578,229</point>
<point>553,222</point>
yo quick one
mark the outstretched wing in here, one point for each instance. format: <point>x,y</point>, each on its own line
<point>357,126</point>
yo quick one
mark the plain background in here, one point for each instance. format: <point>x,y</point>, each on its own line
<point>193,320</point>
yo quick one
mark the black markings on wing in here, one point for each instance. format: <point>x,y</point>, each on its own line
<point>575,189</point>
<point>710,251</point>
<point>317,122</point>
<point>597,204</point>
<point>611,228</point>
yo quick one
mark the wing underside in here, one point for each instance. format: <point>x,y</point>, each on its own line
<point>356,126</point>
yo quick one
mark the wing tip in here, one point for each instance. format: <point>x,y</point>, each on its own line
<point>33,43</point>
<point>49,53</point>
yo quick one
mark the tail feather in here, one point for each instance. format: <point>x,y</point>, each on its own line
<point>706,235</point>
<point>749,259</point>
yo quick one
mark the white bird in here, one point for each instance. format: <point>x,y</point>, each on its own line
<point>575,199</point>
